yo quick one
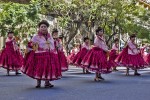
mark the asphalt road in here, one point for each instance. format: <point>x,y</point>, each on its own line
<point>77,86</point>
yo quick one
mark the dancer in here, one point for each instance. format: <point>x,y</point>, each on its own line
<point>147,55</point>
<point>11,58</point>
<point>41,62</point>
<point>131,57</point>
<point>62,58</point>
<point>74,51</point>
<point>80,55</point>
<point>114,53</point>
<point>96,59</point>
<point>142,49</point>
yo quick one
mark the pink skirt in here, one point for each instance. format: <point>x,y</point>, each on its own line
<point>42,66</point>
<point>63,61</point>
<point>96,60</point>
<point>70,58</point>
<point>113,55</point>
<point>79,57</point>
<point>147,59</point>
<point>11,60</point>
<point>131,61</point>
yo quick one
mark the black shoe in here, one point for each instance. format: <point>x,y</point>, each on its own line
<point>87,72</point>
<point>137,74</point>
<point>49,86</point>
<point>17,73</point>
<point>38,86</point>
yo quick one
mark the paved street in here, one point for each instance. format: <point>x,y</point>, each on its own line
<point>77,86</point>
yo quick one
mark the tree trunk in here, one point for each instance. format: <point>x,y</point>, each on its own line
<point>72,36</point>
<point>110,37</point>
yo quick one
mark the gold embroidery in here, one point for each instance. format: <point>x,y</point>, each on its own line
<point>48,43</point>
<point>35,47</point>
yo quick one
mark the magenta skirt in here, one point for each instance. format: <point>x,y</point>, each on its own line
<point>112,56</point>
<point>79,57</point>
<point>96,60</point>
<point>11,60</point>
<point>63,61</point>
<point>131,61</point>
<point>42,66</point>
<point>70,58</point>
<point>147,59</point>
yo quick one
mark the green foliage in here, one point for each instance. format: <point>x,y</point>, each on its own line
<point>112,15</point>
<point>20,18</point>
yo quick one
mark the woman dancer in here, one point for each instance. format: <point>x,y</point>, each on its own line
<point>11,58</point>
<point>147,55</point>
<point>96,59</point>
<point>41,62</point>
<point>131,57</point>
<point>114,53</point>
<point>80,55</point>
<point>74,51</point>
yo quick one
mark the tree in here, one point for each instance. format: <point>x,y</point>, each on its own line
<point>16,1</point>
<point>84,16</point>
<point>20,18</point>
